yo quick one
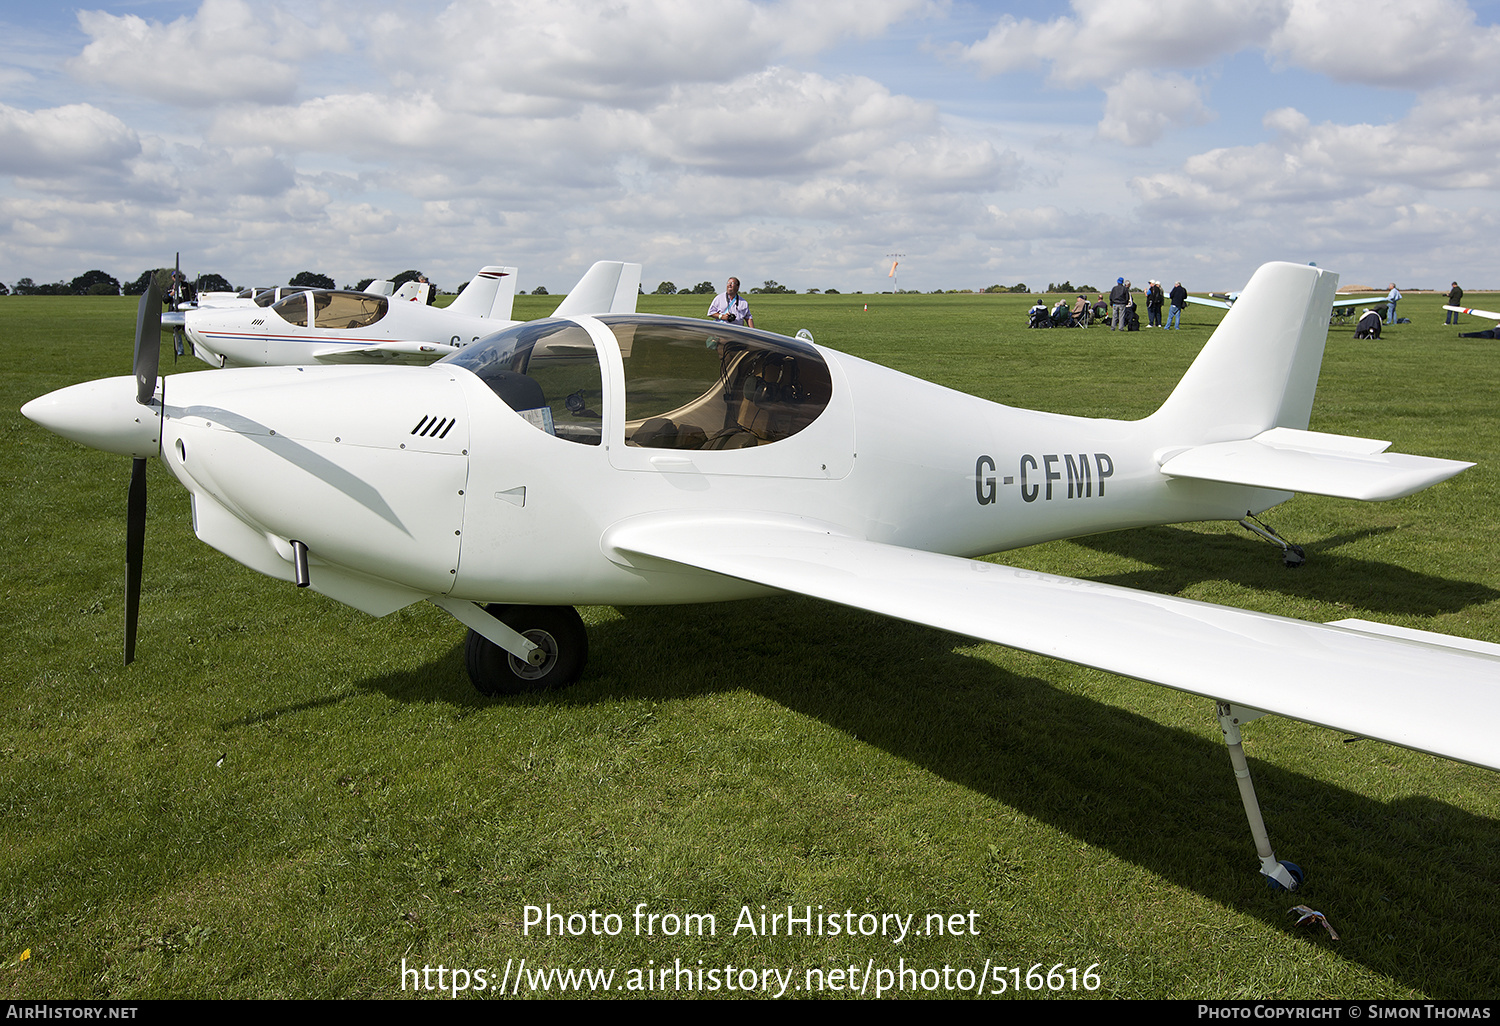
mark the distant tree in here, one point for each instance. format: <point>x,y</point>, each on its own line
<point>772,288</point>
<point>94,283</point>
<point>666,288</point>
<point>163,276</point>
<point>812,292</point>
<point>312,280</point>
<point>213,283</point>
<point>705,288</point>
<point>540,290</point>
<point>25,287</point>
<point>3,290</point>
<point>830,292</point>
<point>363,284</point>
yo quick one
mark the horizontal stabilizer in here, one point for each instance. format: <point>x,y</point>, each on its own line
<point>1407,690</point>
<point>409,353</point>
<point>1290,460</point>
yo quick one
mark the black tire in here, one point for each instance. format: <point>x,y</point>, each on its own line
<point>558,630</point>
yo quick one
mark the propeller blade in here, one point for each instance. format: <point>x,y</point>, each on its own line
<point>147,343</point>
<point>135,547</point>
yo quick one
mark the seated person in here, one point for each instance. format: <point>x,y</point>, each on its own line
<point>1082,313</point>
<point>1060,316</point>
<point>1037,316</point>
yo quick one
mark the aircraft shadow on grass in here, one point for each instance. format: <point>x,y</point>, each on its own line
<point>1329,576</point>
<point>1166,790</point>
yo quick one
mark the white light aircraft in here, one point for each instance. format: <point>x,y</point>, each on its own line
<point>344,326</point>
<point>634,459</point>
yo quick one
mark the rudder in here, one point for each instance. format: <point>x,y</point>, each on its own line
<point>1260,367</point>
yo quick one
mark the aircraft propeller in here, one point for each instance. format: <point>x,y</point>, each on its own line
<point>174,303</point>
<point>145,364</point>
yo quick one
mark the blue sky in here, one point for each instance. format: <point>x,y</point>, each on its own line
<point>801,142</point>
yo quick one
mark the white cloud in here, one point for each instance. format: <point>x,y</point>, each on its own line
<point>1105,39</point>
<point>625,53</point>
<point>1141,106</point>
<point>227,52</point>
<point>1388,43</point>
<point>61,140</point>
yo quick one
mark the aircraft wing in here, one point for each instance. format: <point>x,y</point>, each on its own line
<point>1371,301</point>
<point>1221,304</point>
<point>1455,309</point>
<point>1415,689</point>
<point>1290,460</point>
<point>412,353</point>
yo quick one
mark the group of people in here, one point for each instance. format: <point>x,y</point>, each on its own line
<point>1456,298</point>
<point>1125,317</point>
<point>1120,309</point>
<point>1370,322</point>
<point>731,307</point>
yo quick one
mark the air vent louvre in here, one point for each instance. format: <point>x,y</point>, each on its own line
<point>434,427</point>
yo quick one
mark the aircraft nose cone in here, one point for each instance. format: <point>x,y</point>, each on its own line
<point>101,414</point>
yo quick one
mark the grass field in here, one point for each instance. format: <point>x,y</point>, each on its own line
<point>285,798</point>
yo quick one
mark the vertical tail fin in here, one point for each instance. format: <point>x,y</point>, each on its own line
<point>412,292</point>
<point>608,287</point>
<point>1259,369</point>
<point>491,293</point>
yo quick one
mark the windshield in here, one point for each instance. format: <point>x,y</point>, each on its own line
<point>547,371</point>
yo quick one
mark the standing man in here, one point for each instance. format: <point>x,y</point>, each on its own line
<point>1179,300</point>
<point>1153,303</point>
<point>731,306</point>
<point>1119,299</point>
<point>1455,298</point>
<point>1390,304</point>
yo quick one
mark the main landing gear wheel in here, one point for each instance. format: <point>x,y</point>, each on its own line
<point>557,631</point>
<point>1297,877</point>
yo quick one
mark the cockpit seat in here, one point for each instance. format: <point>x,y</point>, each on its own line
<point>518,391</point>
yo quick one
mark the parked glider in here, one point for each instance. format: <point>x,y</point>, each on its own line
<point>633,459</point>
<point>1470,310</point>
<point>1226,300</point>
<point>344,326</point>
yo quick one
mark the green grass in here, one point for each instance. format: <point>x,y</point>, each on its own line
<point>285,798</point>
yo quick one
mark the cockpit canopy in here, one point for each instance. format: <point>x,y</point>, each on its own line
<point>689,384</point>
<point>332,309</point>
<point>265,297</point>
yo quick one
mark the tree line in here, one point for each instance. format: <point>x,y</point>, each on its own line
<point>99,283</point>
